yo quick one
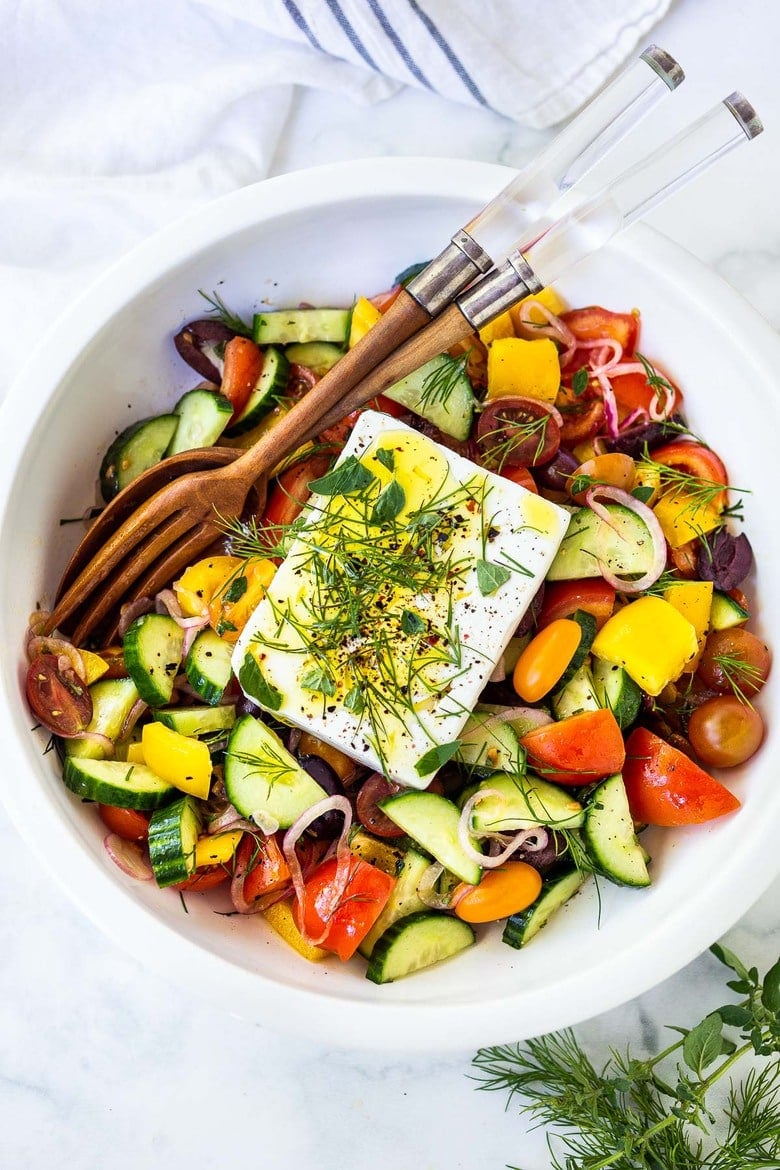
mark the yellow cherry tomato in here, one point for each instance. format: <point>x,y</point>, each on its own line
<point>504,891</point>
<point>545,659</point>
<point>612,469</point>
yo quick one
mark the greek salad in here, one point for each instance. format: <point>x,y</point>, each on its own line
<point>475,640</point>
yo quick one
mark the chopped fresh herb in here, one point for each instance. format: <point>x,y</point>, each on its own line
<point>224,626</point>
<point>254,682</point>
<point>236,589</point>
<point>579,382</point>
<point>386,457</point>
<point>220,310</point>
<point>642,492</point>
<point>350,476</point>
<point>436,757</point>
<point>491,577</point>
<point>353,700</point>
<point>318,679</point>
<point>411,623</point>
<point>439,384</point>
<point>389,504</point>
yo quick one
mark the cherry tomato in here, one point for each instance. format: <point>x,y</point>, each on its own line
<point>364,898</point>
<point>517,432</point>
<point>696,460</point>
<point>735,661</point>
<point>127,823</point>
<point>665,787</point>
<point>593,323</point>
<point>685,558</point>
<point>58,698</point>
<point>634,392</point>
<point>725,731</point>
<point>612,470</point>
<point>545,659</point>
<point>265,865</point>
<point>501,892</point>
<point>582,417</point>
<point>243,366</point>
<point>371,817</point>
<point>563,598</point>
<point>521,476</point>
<point>288,497</point>
<point>577,750</point>
<point>207,877</point>
<point>115,657</point>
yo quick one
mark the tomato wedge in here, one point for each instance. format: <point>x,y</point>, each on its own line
<point>665,787</point>
<point>207,877</point>
<point>563,598</point>
<point>697,460</point>
<point>634,392</point>
<point>288,497</point>
<point>593,323</point>
<point>127,823</point>
<point>366,894</point>
<point>577,750</point>
<point>266,867</point>
<point>243,366</point>
<point>521,476</point>
<point>517,432</point>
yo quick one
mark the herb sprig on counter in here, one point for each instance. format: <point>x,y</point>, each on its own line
<point>658,1113</point>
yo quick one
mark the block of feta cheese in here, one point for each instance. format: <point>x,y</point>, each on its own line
<point>400,590</point>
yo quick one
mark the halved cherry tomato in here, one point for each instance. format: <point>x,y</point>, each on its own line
<point>612,469</point>
<point>582,416</point>
<point>370,815</point>
<point>338,434</point>
<point>501,892</point>
<point>665,787</point>
<point>522,476</point>
<point>517,432</point>
<point>634,392</point>
<point>577,750</point>
<point>288,497</point>
<point>685,558</point>
<point>365,896</point>
<point>207,877</point>
<point>696,460</point>
<point>57,697</point>
<point>593,323</point>
<point>545,658</point>
<point>127,823</point>
<point>735,662</point>
<point>243,366</point>
<point>266,866</point>
<point>563,598</point>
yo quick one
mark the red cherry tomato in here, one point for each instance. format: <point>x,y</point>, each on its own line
<point>517,432</point>
<point>243,366</point>
<point>563,598</point>
<point>521,476</point>
<point>57,697</point>
<point>127,823</point>
<point>696,460</point>
<point>634,392</point>
<point>371,817</point>
<point>266,866</point>
<point>665,787</point>
<point>364,898</point>
<point>593,323</point>
<point>288,497</point>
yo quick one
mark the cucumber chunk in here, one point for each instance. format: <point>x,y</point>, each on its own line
<point>139,447</point>
<point>609,835</point>
<point>208,667</point>
<point>173,837</point>
<point>577,696</point>
<point>404,899</point>
<point>617,691</point>
<point>197,720</point>
<point>112,701</point>
<point>415,942</point>
<point>523,802</point>
<point>319,356</point>
<point>556,892</point>
<point>587,624</point>
<point>432,821</point>
<point>622,543</point>
<point>439,391</point>
<point>488,745</point>
<point>285,326</point>
<point>203,416</point>
<point>262,776</point>
<point>270,387</point>
<point>153,651</point>
<point>725,612</point>
<point>116,782</point>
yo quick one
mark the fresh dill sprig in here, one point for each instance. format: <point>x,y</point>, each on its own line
<point>499,450</point>
<point>739,674</point>
<point>697,492</point>
<point>657,1113</point>
<point>657,382</point>
<point>439,384</point>
<point>220,310</point>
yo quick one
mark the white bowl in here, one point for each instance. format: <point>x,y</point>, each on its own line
<point>324,236</point>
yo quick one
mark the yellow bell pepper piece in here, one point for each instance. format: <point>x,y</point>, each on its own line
<point>364,317</point>
<point>501,326</point>
<point>648,477</point>
<point>693,599</point>
<point>183,761</point>
<point>280,917</point>
<point>200,583</point>
<point>205,587</point>
<point>548,297</point>
<point>650,639</point>
<point>135,753</point>
<point>528,368</point>
<point>94,665</point>
<point>683,518</point>
<point>217,850</point>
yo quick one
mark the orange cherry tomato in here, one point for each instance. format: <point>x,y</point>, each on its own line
<point>665,787</point>
<point>127,823</point>
<point>243,366</point>
<point>612,469</point>
<point>545,659</point>
<point>501,892</point>
<point>724,731</point>
<point>577,750</point>
<point>563,598</point>
<point>366,894</point>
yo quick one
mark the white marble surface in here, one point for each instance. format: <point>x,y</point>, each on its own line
<point>104,1064</point>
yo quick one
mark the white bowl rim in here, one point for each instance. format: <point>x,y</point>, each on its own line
<point>408,1026</point>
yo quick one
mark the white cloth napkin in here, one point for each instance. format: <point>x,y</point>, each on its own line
<point>117,118</point>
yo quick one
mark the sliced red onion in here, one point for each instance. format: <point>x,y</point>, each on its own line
<point>67,654</point>
<point>610,406</point>
<point>660,412</point>
<point>265,822</point>
<point>426,888</point>
<point>102,741</point>
<point>130,856</point>
<point>466,834</point>
<point>638,414</point>
<point>555,327</point>
<point>330,803</point>
<point>606,358</point>
<point>648,518</point>
<point>533,716</point>
<point>36,621</point>
<point>229,818</point>
<point>131,611</point>
<point>133,715</point>
<point>499,671</point>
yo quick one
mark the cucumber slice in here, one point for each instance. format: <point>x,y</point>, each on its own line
<point>587,624</point>
<point>208,667</point>
<point>432,821</point>
<point>319,356</point>
<point>271,385</point>
<point>285,326</point>
<point>609,835</point>
<point>622,543</point>
<point>173,837</point>
<point>404,899</point>
<point>116,782</point>
<point>203,416</point>
<point>523,802</point>
<point>153,650</point>
<point>112,701</point>
<point>197,720</point>
<point>415,942</point>
<point>617,691</point>
<point>488,745</point>
<point>439,391</point>
<point>725,612</point>
<point>578,695</point>
<point>556,892</point>
<point>262,776</point>
<point>136,449</point>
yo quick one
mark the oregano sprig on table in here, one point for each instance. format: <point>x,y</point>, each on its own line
<point>658,1113</point>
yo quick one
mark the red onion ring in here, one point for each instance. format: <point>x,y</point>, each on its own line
<point>535,717</point>
<point>132,610</point>
<point>466,833</point>
<point>129,856</point>
<point>648,518</point>
<point>38,644</point>
<point>133,715</point>
<point>426,888</point>
<point>555,328</point>
<point>37,620</point>
<point>328,804</point>
<point>97,737</point>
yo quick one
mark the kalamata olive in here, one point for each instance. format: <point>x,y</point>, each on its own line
<point>197,336</point>
<point>246,706</point>
<point>555,474</point>
<point>329,825</point>
<point>544,858</point>
<point>530,618</point>
<point>634,440</point>
<point>371,817</point>
<point>724,559</point>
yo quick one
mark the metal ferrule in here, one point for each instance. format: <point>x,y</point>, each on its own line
<point>745,114</point>
<point>664,65</point>
<point>453,269</point>
<point>499,290</point>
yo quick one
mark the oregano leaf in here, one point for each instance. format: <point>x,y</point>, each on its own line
<point>702,1045</point>
<point>491,577</point>
<point>436,757</point>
